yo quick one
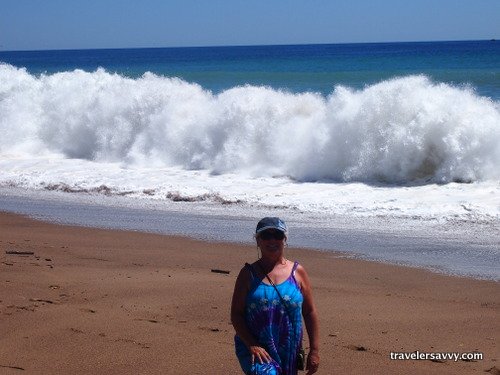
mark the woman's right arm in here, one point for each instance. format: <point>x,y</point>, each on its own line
<point>238,305</point>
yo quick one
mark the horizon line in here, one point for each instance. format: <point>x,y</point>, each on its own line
<point>247,45</point>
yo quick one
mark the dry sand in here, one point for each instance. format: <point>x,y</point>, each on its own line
<point>92,301</point>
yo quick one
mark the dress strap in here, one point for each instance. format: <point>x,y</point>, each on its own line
<point>292,274</point>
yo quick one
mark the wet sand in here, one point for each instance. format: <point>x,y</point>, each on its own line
<point>90,301</point>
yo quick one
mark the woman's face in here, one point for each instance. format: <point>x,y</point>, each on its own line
<point>271,241</point>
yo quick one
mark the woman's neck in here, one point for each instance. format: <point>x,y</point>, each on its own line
<point>268,264</point>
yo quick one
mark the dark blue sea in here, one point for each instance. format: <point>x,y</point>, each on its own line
<point>295,68</point>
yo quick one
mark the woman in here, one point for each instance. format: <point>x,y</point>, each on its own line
<point>267,318</point>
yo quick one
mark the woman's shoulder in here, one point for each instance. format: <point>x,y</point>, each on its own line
<point>245,269</point>
<point>250,267</point>
<point>299,268</point>
<point>246,272</point>
<point>301,274</point>
<point>244,279</point>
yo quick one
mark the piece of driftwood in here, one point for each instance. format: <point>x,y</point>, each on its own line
<point>13,252</point>
<point>41,300</point>
<point>221,271</point>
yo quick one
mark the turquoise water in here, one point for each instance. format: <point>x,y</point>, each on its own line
<point>295,68</point>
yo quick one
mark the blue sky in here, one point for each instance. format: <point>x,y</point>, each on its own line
<point>79,24</point>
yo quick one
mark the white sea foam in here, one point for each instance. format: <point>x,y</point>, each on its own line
<point>401,131</point>
<point>383,162</point>
<point>374,152</point>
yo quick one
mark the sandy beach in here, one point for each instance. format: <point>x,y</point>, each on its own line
<point>90,301</point>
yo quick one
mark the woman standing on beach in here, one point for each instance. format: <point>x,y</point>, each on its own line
<point>270,298</point>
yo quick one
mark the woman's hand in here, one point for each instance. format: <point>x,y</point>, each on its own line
<point>259,353</point>
<point>312,362</point>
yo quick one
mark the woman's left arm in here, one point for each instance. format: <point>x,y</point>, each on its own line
<point>310,315</point>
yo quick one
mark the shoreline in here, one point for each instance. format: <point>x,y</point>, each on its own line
<point>92,300</point>
<point>464,249</point>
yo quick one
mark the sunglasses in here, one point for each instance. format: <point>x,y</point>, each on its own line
<point>268,235</point>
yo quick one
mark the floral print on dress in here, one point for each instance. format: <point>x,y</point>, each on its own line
<point>278,328</point>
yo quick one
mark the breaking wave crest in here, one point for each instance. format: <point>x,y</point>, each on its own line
<point>402,130</point>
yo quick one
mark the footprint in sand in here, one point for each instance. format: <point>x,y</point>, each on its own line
<point>357,348</point>
<point>88,310</point>
<point>147,320</point>
<point>12,367</point>
<point>494,370</point>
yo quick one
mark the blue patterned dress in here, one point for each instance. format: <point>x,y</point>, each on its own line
<point>269,321</point>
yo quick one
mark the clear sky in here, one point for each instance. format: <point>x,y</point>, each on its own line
<point>79,24</point>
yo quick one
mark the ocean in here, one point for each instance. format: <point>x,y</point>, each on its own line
<point>385,151</point>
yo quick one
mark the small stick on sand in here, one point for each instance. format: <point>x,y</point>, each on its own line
<point>13,252</point>
<point>221,271</point>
